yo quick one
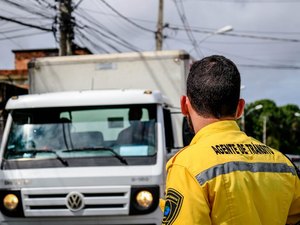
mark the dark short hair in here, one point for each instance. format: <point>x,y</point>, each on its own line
<point>213,87</point>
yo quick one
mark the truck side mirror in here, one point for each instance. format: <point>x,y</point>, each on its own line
<point>168,130</point>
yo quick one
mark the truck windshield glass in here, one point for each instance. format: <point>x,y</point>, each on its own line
<point>82,136</point>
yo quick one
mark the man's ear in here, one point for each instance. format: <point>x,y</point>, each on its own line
<point>183,104</point>
<point>240,108</point>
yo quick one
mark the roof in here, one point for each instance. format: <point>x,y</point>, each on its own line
<point>125,56</point>
<point>86,98</point>
<point>48,50</point>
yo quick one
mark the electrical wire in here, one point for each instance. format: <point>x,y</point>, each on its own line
<point>116,16</point>
<point>181,13</point>
<point>277,67</point>
<point>92,43</point>
<point>252,1</point>
<point>22,35</point>
<point>30,9</point>
<point>77,4</point>
<point>12,41</point>
<point>261,37</point>
<point>126,18</point>
<point>117,22</point>
<point>267,64</point>
<point>103,38</point>
<point>98,27</point>
<point>239,35</point>
<point>96,32</point>
<point>25,24</point>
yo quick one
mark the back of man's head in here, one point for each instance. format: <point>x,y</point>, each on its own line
<point>213,87</point>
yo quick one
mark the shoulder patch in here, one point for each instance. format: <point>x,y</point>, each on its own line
<point>172,206</point>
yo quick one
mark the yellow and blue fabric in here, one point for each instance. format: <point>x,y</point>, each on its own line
<point>225,177</point>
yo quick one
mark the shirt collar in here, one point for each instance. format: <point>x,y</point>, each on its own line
<point>215,127</point>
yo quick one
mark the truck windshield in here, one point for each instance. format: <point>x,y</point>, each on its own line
<point>82,136</point>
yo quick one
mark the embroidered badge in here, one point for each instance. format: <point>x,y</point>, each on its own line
<point>172,207</point>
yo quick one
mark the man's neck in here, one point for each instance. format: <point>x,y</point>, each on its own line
<point>199,122</point>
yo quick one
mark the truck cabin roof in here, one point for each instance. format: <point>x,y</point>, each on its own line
<point>87,98</point>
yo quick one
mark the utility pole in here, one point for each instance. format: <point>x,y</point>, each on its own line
<point>65,27</point>
<point>159,32</point>
<point>265,120</point>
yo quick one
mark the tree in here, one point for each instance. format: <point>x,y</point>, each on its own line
<point>290,129</point>
<point>254,121</point>
<point>280,125</point>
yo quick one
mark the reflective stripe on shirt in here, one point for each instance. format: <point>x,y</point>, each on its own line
<point>243,166</point>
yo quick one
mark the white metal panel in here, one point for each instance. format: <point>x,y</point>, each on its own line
<point>66,212</point>
<point>86,98</point>
<point>42,201</point>
<point>162,70</point>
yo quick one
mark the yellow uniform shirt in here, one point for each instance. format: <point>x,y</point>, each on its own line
<point>225,177</point>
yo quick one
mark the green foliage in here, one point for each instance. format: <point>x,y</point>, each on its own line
<point>279,127</point>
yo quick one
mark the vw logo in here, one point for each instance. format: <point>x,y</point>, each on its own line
<point>75,201</point>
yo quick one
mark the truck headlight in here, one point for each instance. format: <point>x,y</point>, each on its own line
<point>144,198</point>
<point>10,201</point>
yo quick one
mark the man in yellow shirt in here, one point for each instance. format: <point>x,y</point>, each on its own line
<point>225,177</point>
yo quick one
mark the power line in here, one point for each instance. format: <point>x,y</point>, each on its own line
<point>85,41</point>
<point>13,30</point>
<point>259,66</point>
<point>227,42</point>
<point>271,32</point>
<point>246,2</point>
<point>46,4</point>
<point>262,37</point>
<point>78,3</point>
<point>280,67</point>
<point>181,13</point>
<point>101,27</point>
<point>11,40</point>
<point>122,43</point>
<point>22,35</point>
<point>126,18</point>
<point>27,9</point>
<point>99,36</point>
<point>209,30</point>
<point>95,45</point>
<point>117,22</point>
<point>238,35</point>
<point>114,15</point>
<point>97,31</point>
<point>25,24</point>
<point>193,28</point>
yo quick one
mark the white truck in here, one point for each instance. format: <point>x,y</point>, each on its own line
<point>64,156</point>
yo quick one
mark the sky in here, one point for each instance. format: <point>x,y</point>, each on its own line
<point>264,42</point>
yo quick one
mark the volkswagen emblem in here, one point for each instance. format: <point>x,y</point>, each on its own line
<point>75,201</point>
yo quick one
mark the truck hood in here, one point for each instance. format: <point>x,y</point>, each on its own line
<point>81,176</point>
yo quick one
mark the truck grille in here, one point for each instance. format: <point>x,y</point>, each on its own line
<point>79,201</point>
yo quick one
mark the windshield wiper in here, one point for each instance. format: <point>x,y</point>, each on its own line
<point>35,151</point>
<point>102,148</point>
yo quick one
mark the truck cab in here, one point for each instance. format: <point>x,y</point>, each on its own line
<point>66,157</point>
